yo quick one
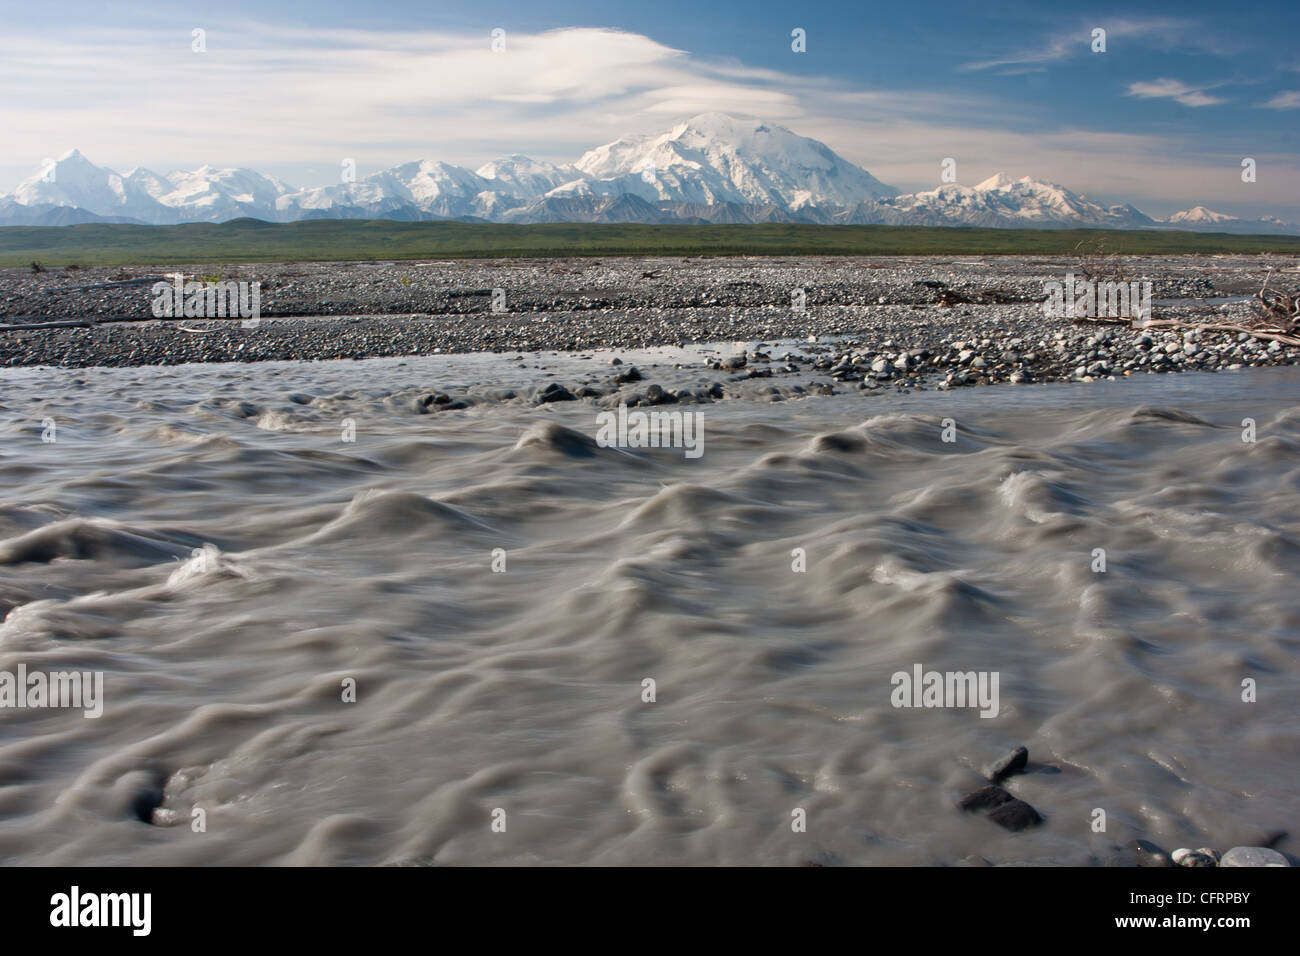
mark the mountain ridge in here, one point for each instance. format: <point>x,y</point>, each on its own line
<point>712,167</point>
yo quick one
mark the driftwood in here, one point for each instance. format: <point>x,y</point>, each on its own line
<point>91,322</point>
<point>70,324</point>
<point>1268,335</point>
<point>1279,306</point>
<point>57,290</point>
<point>1279,319</point>
<point>1095,262</point>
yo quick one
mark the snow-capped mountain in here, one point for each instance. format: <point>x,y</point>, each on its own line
<point>999,202</point>
<point>715,158</point>
<point>203,195</point>
<point>525,178</point>
<point>212,195</point>
<point>72,180</point>
<point>1198,218</point>
<point>710,168</point>
<point>437,189</point>
<point>1201,216</point>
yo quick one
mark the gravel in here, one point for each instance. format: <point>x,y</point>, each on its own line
<point>945,322</point>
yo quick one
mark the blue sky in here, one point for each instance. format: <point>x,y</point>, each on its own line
<point>1162,118</point>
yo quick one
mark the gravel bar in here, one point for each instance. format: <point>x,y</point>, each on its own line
<point>866,322</point>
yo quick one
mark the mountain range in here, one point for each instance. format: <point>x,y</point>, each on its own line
<point>711,168</point>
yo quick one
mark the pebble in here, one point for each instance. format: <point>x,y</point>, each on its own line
<point>1253,856</point>
<point>1186,857</point>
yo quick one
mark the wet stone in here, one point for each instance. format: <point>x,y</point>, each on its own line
<point>1192,858</point>
<point>1253,856</point>
<point>1147,853</point>
<point>1013,763</point>
<point>1015,816</point>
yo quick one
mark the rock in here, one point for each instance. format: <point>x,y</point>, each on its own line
<point>555,392</point>
<point>1015,816</point>
<point>734,361</point>
<point>1186,857</point>
<point>146,800</point>
<point>1013,763</point>
<point>1148,854</point>
<point>1212,854</point>
<point>631,374</point>
<point>1003,809</point>
<point>616,361</point>
<point>1020,377</point>
<point>655,395</point>
<point>1253,856</point>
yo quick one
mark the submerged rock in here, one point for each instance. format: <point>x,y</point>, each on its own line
<point>1013,763</point>
<point>1147,853</point>
<point>1015,816</point>
<point>145,801</point>
<point>1001,807</point>
<point>555,392</point>
<point>985,798</point>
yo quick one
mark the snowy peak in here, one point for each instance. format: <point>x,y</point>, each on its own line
<point>73,180</point>
<point>717,158</point>
<point>1201,215</point>
<point>997,181</point>
<point>524,177</point>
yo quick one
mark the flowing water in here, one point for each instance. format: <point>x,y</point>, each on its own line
<point>206,538</point>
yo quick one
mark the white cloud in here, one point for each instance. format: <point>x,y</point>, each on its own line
<point>1167,88</point>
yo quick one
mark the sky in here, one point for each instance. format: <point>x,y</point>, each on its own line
<point>1163,118</point>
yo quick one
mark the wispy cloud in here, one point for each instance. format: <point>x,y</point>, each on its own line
<point>1162,33</point>
<point>1286,100</point>
<point>1177,90</point>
